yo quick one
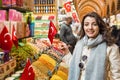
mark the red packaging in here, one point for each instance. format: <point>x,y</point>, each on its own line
<point>6,3</point>
<point>19,3</point>
<point>13,2</point>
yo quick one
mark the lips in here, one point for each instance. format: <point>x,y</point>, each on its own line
<point>90,32</point>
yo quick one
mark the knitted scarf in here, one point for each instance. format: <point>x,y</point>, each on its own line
<point>95,67</point>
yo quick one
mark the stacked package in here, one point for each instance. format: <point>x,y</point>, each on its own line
<point>26,4</point>
<point>49,66</point>
<point>62,73</point>
<point>43,66</point>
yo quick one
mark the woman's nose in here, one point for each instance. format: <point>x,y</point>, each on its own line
<point>90,26</point>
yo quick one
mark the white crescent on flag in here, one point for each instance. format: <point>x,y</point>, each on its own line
<point>52,30</point>
<point>9,35</point>
<point>68,6</point>
<point>29,73</point>
<point>14,33</point>
<point>6,39</point>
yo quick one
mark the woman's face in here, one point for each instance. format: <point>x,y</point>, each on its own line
<point>91,27</point>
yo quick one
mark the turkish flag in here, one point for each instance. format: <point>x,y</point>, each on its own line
<point>52,31</point>
<point>28,73</point>
<point>75,17</point>
<point>14,38</point>
<point>67,6</point>
<point>5,39</point>
<point>51,17</point>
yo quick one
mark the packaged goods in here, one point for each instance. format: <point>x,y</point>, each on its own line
<point>48,61</point>
<point>2,15</point>
<point>6,3</point>
<point>56,77</point>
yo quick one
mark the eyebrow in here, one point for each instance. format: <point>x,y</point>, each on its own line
<point>88,22</point>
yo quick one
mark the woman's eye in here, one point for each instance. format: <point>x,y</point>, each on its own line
<point>95,24</point>
<point>86,24</point>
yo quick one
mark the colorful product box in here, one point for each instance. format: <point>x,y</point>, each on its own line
<point>2,15</point>
<point>19,3</point>
<point>6,3</point>
<point>12,15</point>
<point>20,30</point>
<point>19,16</point>
<point>13,2</point>
<point>15,15</point>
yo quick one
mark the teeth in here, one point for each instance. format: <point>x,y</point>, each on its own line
<point>90,32</point>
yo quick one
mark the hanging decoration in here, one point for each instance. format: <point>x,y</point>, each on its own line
<point>67,6</point>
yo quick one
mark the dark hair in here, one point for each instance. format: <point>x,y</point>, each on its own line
<point>104,29</point>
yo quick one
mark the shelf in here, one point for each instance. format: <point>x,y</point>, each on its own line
<point>16,8</point>
<point>45,4</point>
<point>43,13</point>
<point>45,7</point>
<point>41,28</point>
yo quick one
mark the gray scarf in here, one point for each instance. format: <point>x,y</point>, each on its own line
<point>95,66</point>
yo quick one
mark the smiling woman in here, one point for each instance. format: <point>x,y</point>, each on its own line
<point>95,52</point>
<point>90,27</point>
<point>93,23</point>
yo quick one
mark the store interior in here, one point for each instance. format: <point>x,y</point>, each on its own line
<point>26,40</point>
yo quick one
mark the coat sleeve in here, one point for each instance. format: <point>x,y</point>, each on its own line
<point>114,59</point>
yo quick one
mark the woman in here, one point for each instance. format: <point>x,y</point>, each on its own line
<point>95,56</point>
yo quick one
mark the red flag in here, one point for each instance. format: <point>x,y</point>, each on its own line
<point>52,31</point>
<point>14,38</point>
<point>67,6</point>
<point>51,17</point>
<point>28,73</point>
<point>75,17</point>
<point>5,40</point>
